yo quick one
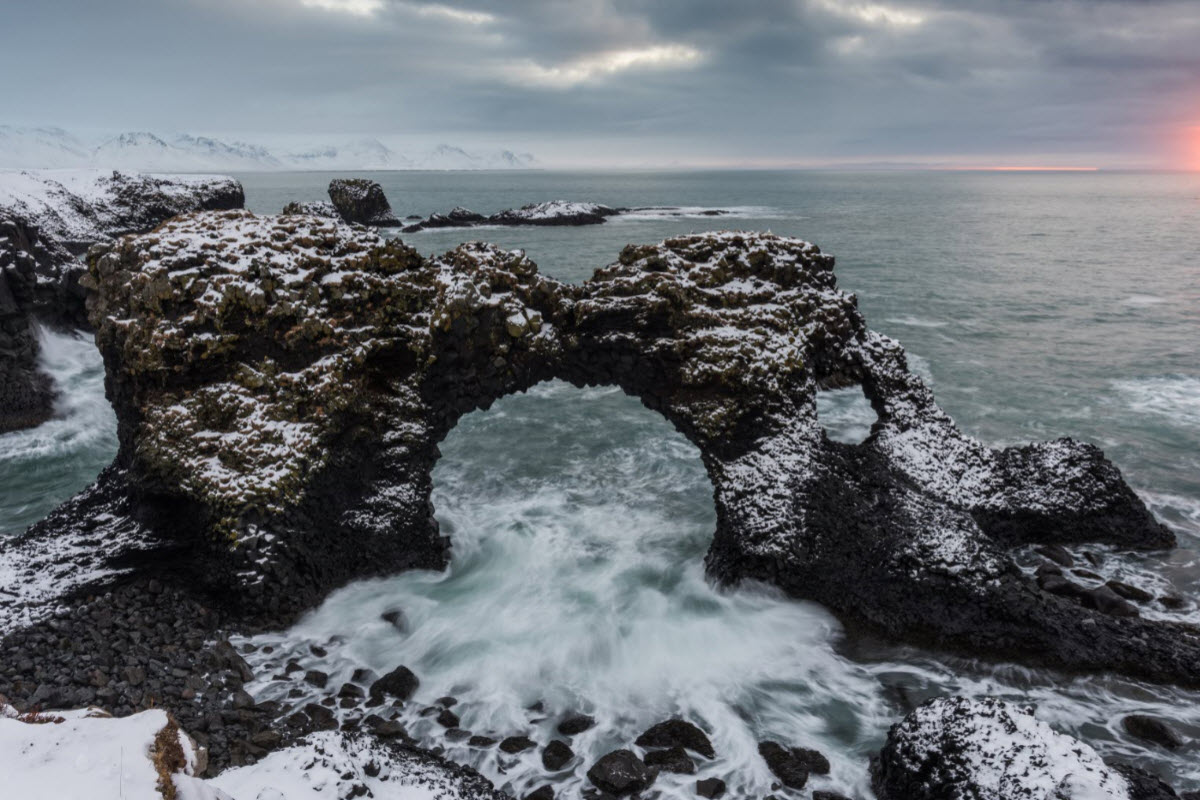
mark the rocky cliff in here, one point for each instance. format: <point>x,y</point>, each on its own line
<point>281,385</point>
<point>48,220</point>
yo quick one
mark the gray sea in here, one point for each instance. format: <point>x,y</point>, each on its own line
<point>1039,305</point>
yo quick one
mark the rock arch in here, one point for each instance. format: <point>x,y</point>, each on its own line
<point>282,383</point>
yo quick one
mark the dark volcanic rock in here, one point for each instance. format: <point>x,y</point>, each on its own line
<point>1130,592</point>
<point>541,793</point>
<point>309,344</point>
<point>556,755</point>
<point>44,230</point>
<point>318,208</point>
<point>447,718</point>
<point>955,747</point>
<point>822,795</point>
<point>458,217</point>
<point>620,773</point>
<point>574,724</point>
<point>1144,786</point>
<point>400,683</point>
<point>784,764</point>
<point>813,761</point>
<point>677,733</point>
<point>674,759</point>
<point>711,788</point>
<point>1152,730</point>
<point>362,201</point>
<point>517,744</point>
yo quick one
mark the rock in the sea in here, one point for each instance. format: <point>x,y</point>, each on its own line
<point>1151,729</point>
<point>362,201</point>
<point>312,208</point>
<point>556,755</point>
<point>575,724</point>
<point>677,733</point>
<point>620,773</point>
<point>957,747</point>
<point>823,795</point>
<point>674,759</point>
<point>815,762</point>
<point>541,793</point>
<point>332,362</point>
<point>1129,592</point>
<point>457,217</point>
<point>517,744</point>
<point>791,770</point>
<point>400,683</point>
<point>711,788</point>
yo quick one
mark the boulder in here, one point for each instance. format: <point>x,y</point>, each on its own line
<point>987,748</point>
<point>575,724</point>
<point>517,744</point>
<point>620,773</point>
<point>1153,730</point>
<point>541,793</point>
<point>1129,592</point>
<point>791,770</point>
<point>677,733</point>
<point>711,788</point>
<point>674,759</point>
<point>556,755</point>
<point>400,683</point>
<point>362,201</point>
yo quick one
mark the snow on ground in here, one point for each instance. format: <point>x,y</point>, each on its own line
<point>63,755</point>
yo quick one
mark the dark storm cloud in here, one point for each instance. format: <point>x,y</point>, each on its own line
<point>653,80</point>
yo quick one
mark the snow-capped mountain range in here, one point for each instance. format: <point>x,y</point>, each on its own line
<point>55,148</point>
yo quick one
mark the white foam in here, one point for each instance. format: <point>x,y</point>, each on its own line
<point>1175,397</point>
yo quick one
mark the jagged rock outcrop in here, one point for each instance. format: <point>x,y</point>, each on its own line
<point>362,201</point>
<point>47,222</point>
<point>316,208</point>
<point>281,384</point>
<point>988,749</point>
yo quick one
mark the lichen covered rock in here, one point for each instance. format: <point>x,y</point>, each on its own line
<point>281,385</point>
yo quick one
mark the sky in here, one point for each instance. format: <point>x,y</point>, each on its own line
<point>633,83</point>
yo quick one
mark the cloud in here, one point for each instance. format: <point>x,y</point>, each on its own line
<point>439,11</point>
<point>358,8</point>
<point>597,66</point>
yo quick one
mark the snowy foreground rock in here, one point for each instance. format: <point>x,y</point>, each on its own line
<point>47,222</point>
<point>987,749</point>
<point>281,384</point>
<point>72,755</point>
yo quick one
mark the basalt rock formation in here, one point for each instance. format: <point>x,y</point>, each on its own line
<point>553,213</point>
<point>281,385</point>
<point>988,749</point>
<point>362,201</point>
<point>47,223</point>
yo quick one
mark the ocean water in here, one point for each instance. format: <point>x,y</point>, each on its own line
<point>1038,305</point>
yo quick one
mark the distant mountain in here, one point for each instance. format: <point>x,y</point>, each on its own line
<point>53,148</point>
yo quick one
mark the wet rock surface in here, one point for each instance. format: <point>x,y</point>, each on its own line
<point>620,773</point>
<point>677,733</point>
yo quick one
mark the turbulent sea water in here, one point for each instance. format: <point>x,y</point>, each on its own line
<point>1038,305</point>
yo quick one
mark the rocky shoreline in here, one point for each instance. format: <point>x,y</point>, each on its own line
<point>281,384</point>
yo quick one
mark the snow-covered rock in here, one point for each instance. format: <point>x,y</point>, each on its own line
<point>987,749</point>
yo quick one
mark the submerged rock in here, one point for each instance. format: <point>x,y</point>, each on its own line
<point>362,201</point>
<point>574,724</point>
<point>555,212</point>
<point>956,747</point>
<point>281,385</point>
<point>1152,730</point>
<point>556,755</point>
<point>711,788</point>
<point>619,773</point>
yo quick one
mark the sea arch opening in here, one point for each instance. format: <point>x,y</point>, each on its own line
<point>578,521</point>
